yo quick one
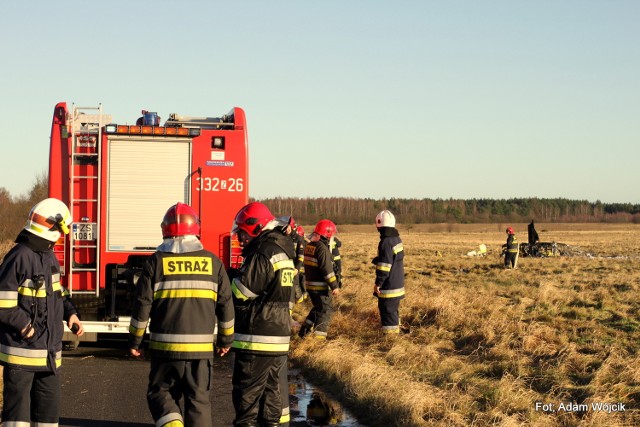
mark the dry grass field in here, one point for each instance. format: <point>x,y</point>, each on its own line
<point>485,346</point>
<point>552,343</point>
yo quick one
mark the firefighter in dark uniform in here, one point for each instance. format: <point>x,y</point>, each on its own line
<point>532,234</point>
<point>510,249</point>
<point>290,228</point>
<point>33,305</point>
<point>389,283</point>
<point>320,280</point>
<point>185,291</point>
<point>262,292</point>
<point>335,244</point>
<point>533,238</point>
<point>299,243</point>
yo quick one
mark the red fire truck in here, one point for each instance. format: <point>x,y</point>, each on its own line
<point>118,181</point>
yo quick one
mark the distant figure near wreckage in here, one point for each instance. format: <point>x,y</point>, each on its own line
<point>533,234</point>
<point>533,238</point>
<point>511,249</point>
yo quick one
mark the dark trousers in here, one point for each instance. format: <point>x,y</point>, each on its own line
<point>320,315</point>
<point>389,314</point>
<point>256,389</point>
<point>30,396</point>
<point>285,416</point>
<point>510,259</point>
<point>169,381</point>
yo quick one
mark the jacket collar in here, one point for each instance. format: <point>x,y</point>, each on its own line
<point>33,242</point>
<point>388,232</point>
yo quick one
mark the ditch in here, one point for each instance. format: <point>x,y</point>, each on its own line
<point>310,406</point>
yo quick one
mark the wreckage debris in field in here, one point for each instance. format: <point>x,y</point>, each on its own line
<point>550,249</point>
<point>482,251</point>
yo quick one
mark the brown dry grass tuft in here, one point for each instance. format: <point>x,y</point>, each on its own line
<point>4,248</point>
<point>485,344</point>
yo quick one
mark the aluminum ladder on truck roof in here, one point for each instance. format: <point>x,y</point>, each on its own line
<point>224,122</point>
<point>86,125</point>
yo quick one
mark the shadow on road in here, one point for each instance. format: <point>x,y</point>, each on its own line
<point>83,422</point>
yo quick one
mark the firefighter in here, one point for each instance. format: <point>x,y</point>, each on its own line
<point>289,227</point>
<point>262,293</point>
<point>510,249</point>
<point>33,305</point>
<point>389,282</point>
<point>299,243</point>
<point>300,231</point>
<point>184,290</point>
<point>532,234</point>
<point>335,244</point>
<point>320,280</point>
<point>533,238</point>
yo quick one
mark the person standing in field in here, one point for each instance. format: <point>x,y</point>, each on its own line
<point>300,258</point>
<point>533,237</point>
<point>389,282</point>
<point>262,293</point>
<point>335,244</point>
<point>532,234</point>
<point>321,281</point>
<point>511,249</point>
<point>33,305</point>
<point>300,293</point>
<point>185,291</point>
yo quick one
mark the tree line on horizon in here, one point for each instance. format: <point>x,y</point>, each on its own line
<point>347,210</point>
<point>344,210</point>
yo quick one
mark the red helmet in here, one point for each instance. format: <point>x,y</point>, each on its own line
<point>180,220</point>
<point>510,230</point>
<point>325,228</point>
<point>252,219</point>
<point>300,230</point>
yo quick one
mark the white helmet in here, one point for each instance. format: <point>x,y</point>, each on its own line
<point>385,219</point>
<point>48,219</point>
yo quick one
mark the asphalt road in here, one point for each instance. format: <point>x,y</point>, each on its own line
<point>104,387</point>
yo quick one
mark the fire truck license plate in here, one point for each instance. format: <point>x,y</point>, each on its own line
<point>83,231</point>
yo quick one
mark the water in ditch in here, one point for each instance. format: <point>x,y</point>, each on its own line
<point>309,406</point>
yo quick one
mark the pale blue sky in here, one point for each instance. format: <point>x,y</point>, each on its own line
<point>462,99</point>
